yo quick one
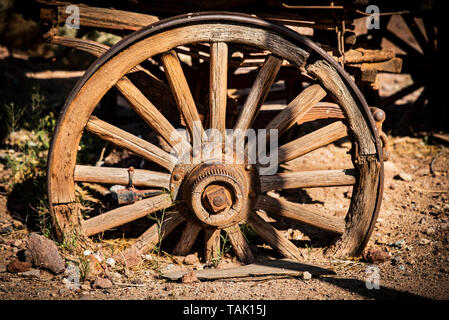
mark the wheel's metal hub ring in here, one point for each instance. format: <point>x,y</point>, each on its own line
<point>224,207</point>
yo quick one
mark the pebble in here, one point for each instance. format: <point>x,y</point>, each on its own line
<point>191,259</point>
<point>306,275</point>
<point>18,225</point>
<point>375,255</point>
<point>404,177</point>
<point>396,260</point>
<point>401,268</point>
<point>6,230</point>
<point>32,273</point>
<point>398,244</point>
<point>430,231</point>
<point>16,266</point>
<point>189,278</point>
<point>102,283</point>
<point>110,261</point>
<point>424,241</point>
<point>85,287</point>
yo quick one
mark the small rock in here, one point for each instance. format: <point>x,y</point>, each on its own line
<point>424,241</point>
<point>396,260</point>
<point>18,225</point>
<point>430,231</point>
<point>189,278</point>
<point>85,287</point>
<point>404,177</point>
<point>6,230</point>
<point>102,283</point>
<point>198,266</point>
<point>16,266</point>
<point>168,267</point>
<point>116,277</point>
<point>110,261</point>
<point>42,252</point>
<point>32,273</point>
<point>191,259</point>
<point>17,243</point>
<point>306,275</point>
<point>375,255</point>
<point>63,292</point>
<point>297,235</point>
<point>398,244</point>
<point>401,267</point>
<point>87,252</point>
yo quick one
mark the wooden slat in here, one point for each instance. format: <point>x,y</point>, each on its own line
<point>187,239</point>
<point>274,237</point>
<point>125,214</point>
<point>311,141</point>
<point>151,115</point>
<point>212,244</point>
<point>308,179</point>
<point>218,86</point>
<point>259,91</point>
<point>182,94</point>
<point>277,267</point>
<point>130,142</point>
<point>239,244</point>
<point>298,212</point>
<point>109,175</point>
<point>297,108</point>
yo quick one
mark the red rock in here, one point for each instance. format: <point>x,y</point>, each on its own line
<point>102,283</point>
<point>43,253</point>
<point>189,278</point>
<point>129,257</point>
<point>18,266</point>
<point>375,255</point>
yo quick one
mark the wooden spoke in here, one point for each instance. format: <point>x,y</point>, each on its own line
<point>301,213</point>
<point>182,94</point>
<point>187,239</point>
<point>109,175</point>
<point>156,233</point>
<point>322,110</point>
<point>430,30</point>
<point>239,244</point>
<point>218,86</point>
<point>212,244</point>
<point>125,214</point>
<point>259,91</point>
<point>130,142</point>
<point>274,237</point>
<point>308,179</point>
<point>311,141</point>
<point>148,112</point>
<point>417,34</point>
<point>296,109</point>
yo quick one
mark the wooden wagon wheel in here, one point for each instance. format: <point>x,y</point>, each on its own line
<point>209,195</point>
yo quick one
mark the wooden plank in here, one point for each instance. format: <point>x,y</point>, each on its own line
<point>298,212</point>
<point>182,94</point>
<point>218,86</point>
<point>108,18</point>
<point>312,141</point>
<point>125,214</point>
<point>258,92</point>
<point>130,142</point>
<point>274,237</point>
<point>110,175</point>
<point>296,109</point>
<point>308,179</point>
<point>261,268</point>
<point>239,244</point>
<point>187,239</point>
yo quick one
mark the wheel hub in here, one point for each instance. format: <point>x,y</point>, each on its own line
<point>216,194</point>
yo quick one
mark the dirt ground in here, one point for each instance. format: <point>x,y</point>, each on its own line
<point>413,226</point>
